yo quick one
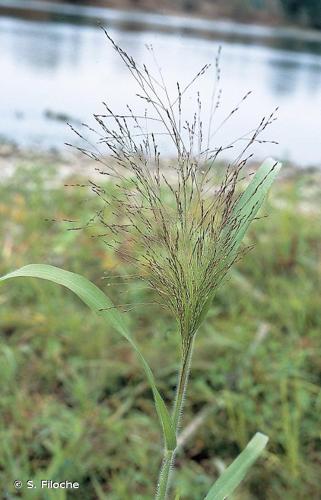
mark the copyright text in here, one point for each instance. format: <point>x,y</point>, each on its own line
<point>47,484</point>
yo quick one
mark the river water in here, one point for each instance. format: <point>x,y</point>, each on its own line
<point>60,66</point>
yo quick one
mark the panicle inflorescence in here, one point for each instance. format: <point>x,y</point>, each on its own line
<point>180,214</point>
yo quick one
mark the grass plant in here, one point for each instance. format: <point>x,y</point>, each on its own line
<point>186,225</point>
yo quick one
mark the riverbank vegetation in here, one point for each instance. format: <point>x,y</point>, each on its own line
<point>306,13</point>
<point>301,13</point>
<point>73,396</point>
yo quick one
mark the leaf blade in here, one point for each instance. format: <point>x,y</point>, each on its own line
<point>243,213</point>
<point>251,200</point>
<point>235,473</point>
<point>97,301</point>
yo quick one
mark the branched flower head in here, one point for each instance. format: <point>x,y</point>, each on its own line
<point>184,216</point>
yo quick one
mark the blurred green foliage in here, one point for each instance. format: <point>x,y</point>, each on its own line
<point>308,10</point>
<point>301,12</point>
<point>73,400</point>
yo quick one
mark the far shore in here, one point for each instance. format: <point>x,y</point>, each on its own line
<point>208,21</point>
<point>69,162</point>
<point>206,10</point>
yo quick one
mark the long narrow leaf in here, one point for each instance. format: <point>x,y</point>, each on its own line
<point>250,201</point>
<point>244,211</point>
<point>234,474</point>
<point>91,295</point>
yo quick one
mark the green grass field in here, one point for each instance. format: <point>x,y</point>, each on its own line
<point>74,403</point>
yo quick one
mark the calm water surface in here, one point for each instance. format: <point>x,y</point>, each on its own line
<point>49,69</point>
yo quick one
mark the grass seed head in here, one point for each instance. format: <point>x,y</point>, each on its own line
<point>178,215</point>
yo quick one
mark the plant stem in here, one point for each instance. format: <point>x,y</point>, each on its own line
<point>164,475</point>
<point>168,459</point>
<point>182,384</point>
